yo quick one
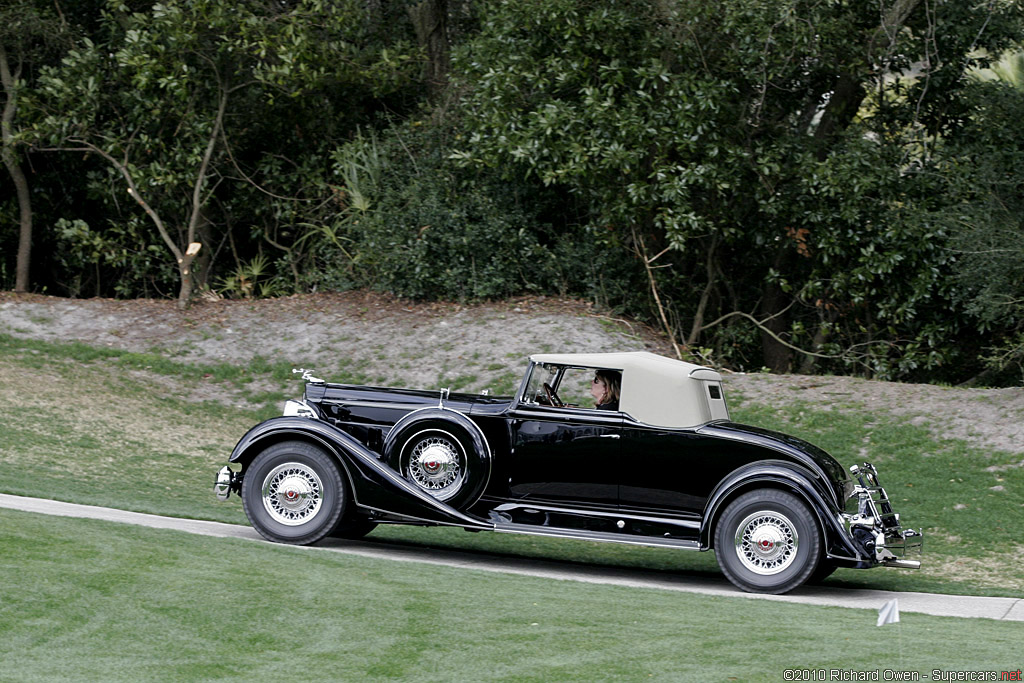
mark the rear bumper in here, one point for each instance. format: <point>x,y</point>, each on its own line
<point>874,526</point>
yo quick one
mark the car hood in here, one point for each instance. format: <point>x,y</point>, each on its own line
<point>409,398</point>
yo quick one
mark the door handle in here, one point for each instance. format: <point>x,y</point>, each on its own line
<point>609,436</point>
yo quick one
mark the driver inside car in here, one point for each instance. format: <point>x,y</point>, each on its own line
<point>605,389</point>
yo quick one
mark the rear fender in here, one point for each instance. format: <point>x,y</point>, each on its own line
<point>375,486</point>
<point>790,477</point>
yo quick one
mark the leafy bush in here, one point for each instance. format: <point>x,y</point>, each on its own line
<point>411,223</point>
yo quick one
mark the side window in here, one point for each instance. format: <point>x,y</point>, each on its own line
<point>570,386</point>
<point>574,389</point>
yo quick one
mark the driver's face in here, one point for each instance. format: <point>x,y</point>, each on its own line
<point>598,389</point>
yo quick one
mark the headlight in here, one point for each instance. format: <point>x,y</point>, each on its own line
<point>299,409</point>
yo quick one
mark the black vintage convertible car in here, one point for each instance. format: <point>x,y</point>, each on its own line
<point>666,467</point>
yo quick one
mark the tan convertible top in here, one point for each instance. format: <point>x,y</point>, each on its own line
<point>656,390</point>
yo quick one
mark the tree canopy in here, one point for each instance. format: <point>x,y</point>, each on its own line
<point>802,185</point>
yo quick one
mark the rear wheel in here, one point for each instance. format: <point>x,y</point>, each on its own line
<point>293,492</point>
<point>767,541</point>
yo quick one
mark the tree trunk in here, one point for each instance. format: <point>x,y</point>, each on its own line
<point>430,19</point>
<point>702,305</point>
<point>777,357</point>
<point>21,277</point>
<point>187,280</point>
<point>847,95</point>
<point>808,363</point>
<point>848,92</point>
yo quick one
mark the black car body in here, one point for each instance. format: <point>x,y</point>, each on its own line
<point>668,468</point>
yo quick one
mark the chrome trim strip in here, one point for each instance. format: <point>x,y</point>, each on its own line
<point>685,524</point>
<point>483,526</point>
<point>377,404</point>
<point>625,539</point>
<point>590,416</point>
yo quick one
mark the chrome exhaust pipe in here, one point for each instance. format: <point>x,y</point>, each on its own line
<point>902,564</point>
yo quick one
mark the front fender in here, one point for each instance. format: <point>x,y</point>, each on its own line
<point>375,486</point>
<point>791,477</point>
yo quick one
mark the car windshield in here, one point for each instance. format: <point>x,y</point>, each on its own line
<point>542,374</point>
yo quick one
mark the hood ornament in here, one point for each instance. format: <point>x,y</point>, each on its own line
<point>307,375</point>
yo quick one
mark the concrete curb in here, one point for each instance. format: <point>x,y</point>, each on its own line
<point>1002,609</point>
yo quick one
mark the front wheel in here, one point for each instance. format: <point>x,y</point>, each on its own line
<point>293,492</point>
<point>767,541</point>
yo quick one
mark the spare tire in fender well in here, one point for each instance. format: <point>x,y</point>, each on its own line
<point>443,452</point>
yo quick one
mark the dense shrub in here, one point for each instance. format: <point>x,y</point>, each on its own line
<point>411,222</point>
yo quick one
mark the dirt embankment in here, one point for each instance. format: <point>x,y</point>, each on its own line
<point>368,337</point>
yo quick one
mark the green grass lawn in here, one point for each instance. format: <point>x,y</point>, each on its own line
<point>112,428</point>
<point>84,600</point>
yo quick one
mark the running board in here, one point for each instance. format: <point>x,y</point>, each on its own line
<point>601,536</point>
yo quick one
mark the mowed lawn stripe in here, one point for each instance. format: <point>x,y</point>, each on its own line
<point>1011,609</point>
<point>93,600</point>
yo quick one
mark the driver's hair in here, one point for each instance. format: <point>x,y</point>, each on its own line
<point>613,380</point>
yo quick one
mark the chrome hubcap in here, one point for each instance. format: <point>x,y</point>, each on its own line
<point>766,542</point>
<point>435,465</point>
<point>292,493</point>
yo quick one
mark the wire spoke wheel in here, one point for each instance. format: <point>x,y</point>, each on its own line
<point>442,453</point>
<point>292,493</point>
<point>766,542</point>
<point>436,462</point>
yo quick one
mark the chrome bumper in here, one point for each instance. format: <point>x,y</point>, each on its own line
<point>226,481</point>
<point>876,528</point>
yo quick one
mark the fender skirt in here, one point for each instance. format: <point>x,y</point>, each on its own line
<point>375,486</point>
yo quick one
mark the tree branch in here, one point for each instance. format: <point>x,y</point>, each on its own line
<point>642,253</point>
<point>760,325</point>
<point>122,168</point>
<point>248,179</point>
<point>197,201</point>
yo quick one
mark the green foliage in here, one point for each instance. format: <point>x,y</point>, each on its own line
<point>409,222</point>
<point>723,134</point>
<point>797,175</point>
<point>985,188</point>
<point>168,95</point>
<point>123,251</point>
<point>250,280</point>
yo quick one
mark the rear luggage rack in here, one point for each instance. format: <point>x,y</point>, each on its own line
<point>877,527</point>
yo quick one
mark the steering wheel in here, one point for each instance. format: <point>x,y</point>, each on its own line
<point>552,396</point>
